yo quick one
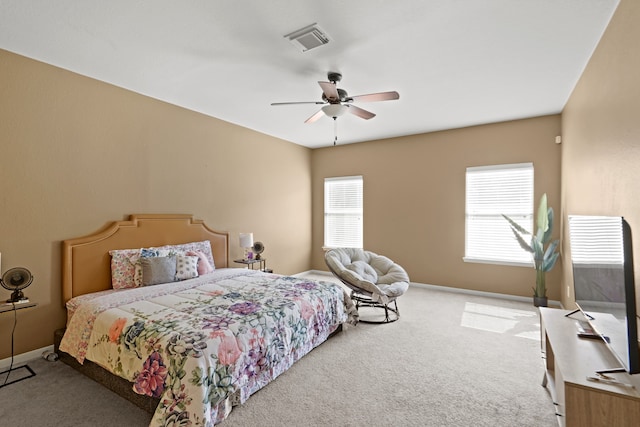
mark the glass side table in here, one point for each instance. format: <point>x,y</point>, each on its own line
<point>4,380</point>
<point>251,263</point>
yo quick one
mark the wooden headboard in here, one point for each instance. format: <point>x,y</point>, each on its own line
<point>86,263</point>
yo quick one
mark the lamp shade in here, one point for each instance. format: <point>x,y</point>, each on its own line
<point>246,240</point>
<point>334,110</point>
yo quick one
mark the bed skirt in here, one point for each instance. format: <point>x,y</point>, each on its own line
<point>120,386</point>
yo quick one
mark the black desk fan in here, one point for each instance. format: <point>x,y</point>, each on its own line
<point>258,248</point>
<point>15,280</point>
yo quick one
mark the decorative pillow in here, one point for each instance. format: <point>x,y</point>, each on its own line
<point>203,246</point>
<point>145,253</point>
<point>149,252</point>
<point>186,267</point>
<point>126,271</point>
<point>203,264</point>
<point>122,269</point>
<point>157,270</point>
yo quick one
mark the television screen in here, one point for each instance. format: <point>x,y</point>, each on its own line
<point>602,260</point>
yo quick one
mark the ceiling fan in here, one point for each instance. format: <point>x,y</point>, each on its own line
<point>337,101</point>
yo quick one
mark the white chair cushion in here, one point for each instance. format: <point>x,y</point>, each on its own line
<point>364,270</point>
<point>375,274</point>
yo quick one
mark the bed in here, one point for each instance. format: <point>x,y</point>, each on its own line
<point>191,347</point>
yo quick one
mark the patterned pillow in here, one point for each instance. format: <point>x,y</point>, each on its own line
<point>203,246</point>
<point>186,267</point>
<point>126,271</point>
<point>122,269</point>
<point>157,270</point>
<point>203,264</point>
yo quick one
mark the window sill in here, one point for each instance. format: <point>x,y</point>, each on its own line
<point>497,262</point>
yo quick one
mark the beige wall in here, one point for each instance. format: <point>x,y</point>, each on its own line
<point>77,153</point>
<point>414,198</point>
<point>601,135</point>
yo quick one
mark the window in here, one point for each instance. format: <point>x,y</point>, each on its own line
<point>343,212</point>
<point>493,191</point>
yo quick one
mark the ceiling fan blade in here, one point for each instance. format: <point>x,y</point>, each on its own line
<point>373,97</point>
<point>330,91</point>
<point>360,112</point>
<point>294,103</point>
<point>315,117</point>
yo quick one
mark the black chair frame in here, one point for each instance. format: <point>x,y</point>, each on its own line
<point>363,299</point>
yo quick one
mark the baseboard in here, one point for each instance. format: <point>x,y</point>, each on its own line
<point>556,304</point>
<point>21,359</point>
<point>482,293</point>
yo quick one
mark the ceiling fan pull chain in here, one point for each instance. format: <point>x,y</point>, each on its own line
<point>335,131</point>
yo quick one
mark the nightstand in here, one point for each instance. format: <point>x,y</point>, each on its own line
<point>19,306</point>
<point>250,263</point>
<point>6,308</point>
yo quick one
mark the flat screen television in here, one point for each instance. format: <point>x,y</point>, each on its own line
<point>603,277</point>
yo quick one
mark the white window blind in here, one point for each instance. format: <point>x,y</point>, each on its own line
<point>596,240</point>
<point>343,212</point>
<point>490,192</point>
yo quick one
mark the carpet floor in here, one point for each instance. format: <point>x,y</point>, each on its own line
<point>452,359</point>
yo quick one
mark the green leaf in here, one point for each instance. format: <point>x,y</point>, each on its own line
<point>550,262</point>
<point>547,234</point>
<point>538,251</point>
<point>543,218</point>
<point>550,256</point>
<point>551,249</point>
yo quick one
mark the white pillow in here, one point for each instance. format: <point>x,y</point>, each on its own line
<point>186,267</point>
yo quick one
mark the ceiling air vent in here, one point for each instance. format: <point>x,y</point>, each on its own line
<point>308,38</point>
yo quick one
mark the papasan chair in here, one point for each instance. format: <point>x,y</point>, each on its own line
<point>375,281</point>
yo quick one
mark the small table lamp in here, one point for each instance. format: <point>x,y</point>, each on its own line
<point>246,242</point>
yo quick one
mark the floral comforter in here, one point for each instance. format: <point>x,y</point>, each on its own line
<point>204,344</point>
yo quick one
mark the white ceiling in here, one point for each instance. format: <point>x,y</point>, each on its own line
<point>455,63</point>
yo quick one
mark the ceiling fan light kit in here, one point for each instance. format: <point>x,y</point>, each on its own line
<point>337,101</point>
<point>334,110</point>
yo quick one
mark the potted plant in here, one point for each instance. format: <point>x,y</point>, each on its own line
<point>544,259</point>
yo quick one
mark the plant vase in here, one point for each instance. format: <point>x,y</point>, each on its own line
<point>540,301</point>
